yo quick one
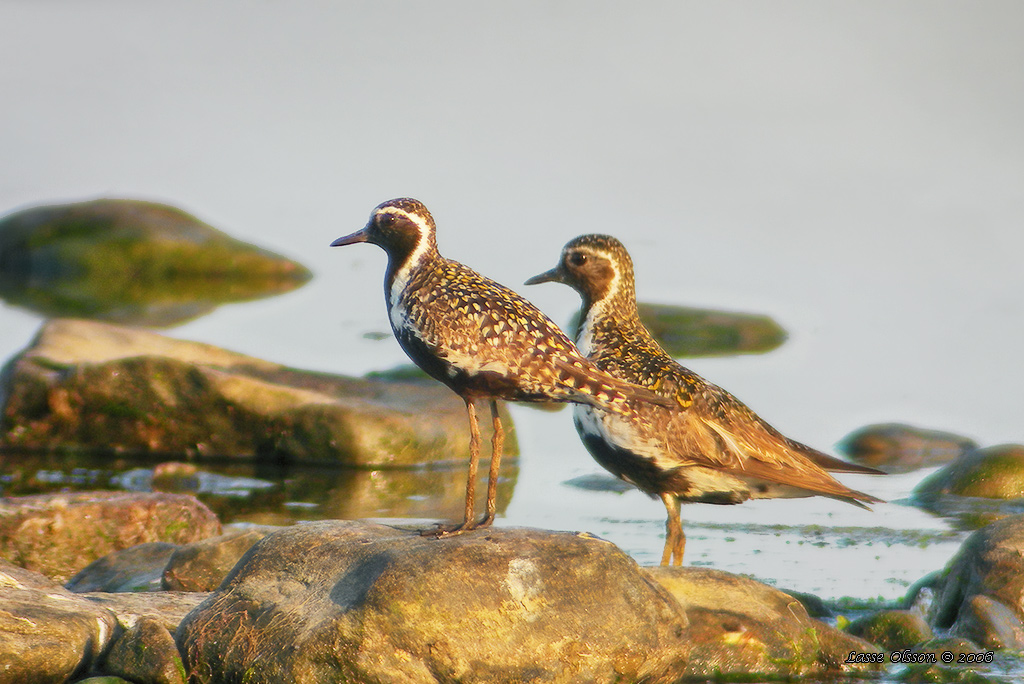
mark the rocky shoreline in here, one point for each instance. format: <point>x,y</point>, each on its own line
<point>358,601</point>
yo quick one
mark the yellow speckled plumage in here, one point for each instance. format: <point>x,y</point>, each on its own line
<point>710,447</point>
<point>478,337</point>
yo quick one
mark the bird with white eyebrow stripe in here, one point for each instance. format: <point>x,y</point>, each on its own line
<point>478,337</point>
<point>708,447</point>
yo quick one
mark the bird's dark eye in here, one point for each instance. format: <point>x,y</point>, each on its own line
<point>385,220</point>
<point>577,259</point>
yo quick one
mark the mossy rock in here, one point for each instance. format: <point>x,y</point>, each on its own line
<point>689,332</point>
<point>979,487</point>
<point>91,387</point>
<point>892,630</point>
<point>131,261</point>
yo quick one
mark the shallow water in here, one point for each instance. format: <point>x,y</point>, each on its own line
<point>853,170</point>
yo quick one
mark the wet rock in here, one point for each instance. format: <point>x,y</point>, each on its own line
<point>978,488</point>
<point>990,563</point>
<point>359,602</point>
<point>740,627</point>
<point>47,634</point>
<point>145,653</point>
<point>128,261</point>
<point>138,568</point>
<point>989,623</point>
<point>925,663</point>
<point>59,534</point>
<point>892,630</point>
<point>91,386</point>
<point>900,448</point>
<point>991,473</point>
<point>203,565</point>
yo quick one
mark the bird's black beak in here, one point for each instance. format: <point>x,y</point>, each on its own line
<point>555,275</point>
<point>358,236</point>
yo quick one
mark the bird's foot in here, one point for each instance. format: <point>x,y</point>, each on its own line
<point>442,530</point>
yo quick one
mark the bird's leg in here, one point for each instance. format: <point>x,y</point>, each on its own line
<point>675,540</point>
<point>468,523</point>
<point>497,447</point>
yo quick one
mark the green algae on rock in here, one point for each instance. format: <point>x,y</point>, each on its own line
<point>688,332</point>
<point>95,387</point>
<point>979,487</point>
<point>131,261</point>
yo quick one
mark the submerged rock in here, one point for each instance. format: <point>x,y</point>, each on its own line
<point>92,386</point>
<point>59,534</point>
<point>129,261</point>
<point>358,602</point>
<point>899,447</point>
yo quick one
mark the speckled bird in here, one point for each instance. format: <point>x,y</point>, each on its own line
<point>707,448</point>
<point>478,337</point>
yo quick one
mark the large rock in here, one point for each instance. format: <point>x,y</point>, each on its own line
<point>741,628</point>
<point>91,386</point>
<point>129,261</point>
<point>990,563</point>
<point>47,634</point>
<point>359,602</point>
<point>898,447</point>
<point>59,534</point>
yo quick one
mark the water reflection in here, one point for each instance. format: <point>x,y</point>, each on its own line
<point>261,492</point>
<point>131,262</point>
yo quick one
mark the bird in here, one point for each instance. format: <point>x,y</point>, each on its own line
<point>481,339</point>
<point>708,447</point>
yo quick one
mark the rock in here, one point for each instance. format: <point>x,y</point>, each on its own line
<point>137,568</point>
<point>978,488</point>
<point>145,653</point>
<point>900,447</point>
<point>359,602</point>
<point>990,563</point>
<point>203,565</point>
<point>690,332</point>
<point>169,608</point>
<point>926,665</point>
<point>47,634</point>
<point>134,262</point>
<point>991,473</point>
<point>740,628</point>
<point>891,630</point>
<point>989,623</point>
<point>91,386</point>
<point>59,534</point>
